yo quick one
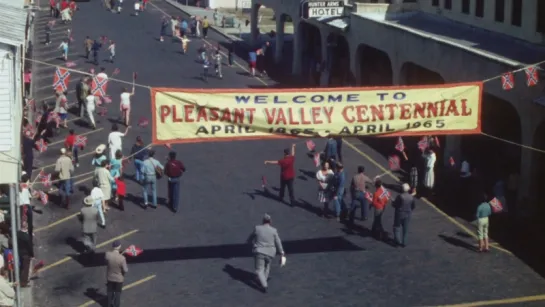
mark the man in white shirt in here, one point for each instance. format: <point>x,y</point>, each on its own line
<point>102,74</point>
<point>90,106</point>
<point>99,203</point>
<point>115,141</point>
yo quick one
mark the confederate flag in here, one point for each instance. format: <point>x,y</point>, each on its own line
<point>132,251</point>
<point>41,145</point>
<point>393,162</point>
<point>400,146</point>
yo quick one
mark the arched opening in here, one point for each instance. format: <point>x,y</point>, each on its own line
<point>538,171</point>
<point>284,67</point>
<point>338,60</point>
<point>312,52</point>
<point>375,67</point>
<point>495,159</point>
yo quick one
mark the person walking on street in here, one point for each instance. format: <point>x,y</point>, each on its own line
<point>173,25</point>
<point>64,50</point>
<point>359,189</point>
<point>125,105</point>
<point>82,90</point>
<point>205,26</point>
<point>174,170</point>
<point>26,253</point>
<point>99,156</point>
<point>90,107</point>
<point>111,49</point>
<point>121,192</point>
<point>48,30</point>
<point>404,204</point>
<point>380,199</point>
<point>88,46</point>
<point>205,66</point>
<point>230,52</point>
<point>287,173</point>
<point>139,154</point>
<point>163,32</point>
<point>330,151</point>
<point>323,176</point>
<point>64,168</point>
<point>96,48</point>
<point>27,79</point>
<point>89,219</point>
<point>116,269</point>
<point>151,170</point>
<point>104,179</point>
<point>266,243</point>
<point>252,59</point>
<point>115,140</point>
<point>217,64</point>
<point>99,203</point>
<point>338,190</point>
<point>484,211</point>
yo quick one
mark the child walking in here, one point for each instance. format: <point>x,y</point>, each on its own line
<point>111,49</point>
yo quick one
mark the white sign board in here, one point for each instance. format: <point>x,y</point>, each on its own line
<point>324,9</point>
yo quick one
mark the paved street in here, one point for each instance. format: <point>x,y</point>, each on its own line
<point>198,256</point>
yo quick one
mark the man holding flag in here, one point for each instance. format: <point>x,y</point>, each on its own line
<point>380,199</point>
<point>287,173</point>
<point>358,189</point>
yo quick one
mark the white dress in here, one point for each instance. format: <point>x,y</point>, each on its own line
<point>323,181</point>
<point>429,176</point>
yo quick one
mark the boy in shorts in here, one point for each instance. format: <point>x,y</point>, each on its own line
<point>253,61</point>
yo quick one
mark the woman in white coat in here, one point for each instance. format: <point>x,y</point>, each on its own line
<point>429,175</point>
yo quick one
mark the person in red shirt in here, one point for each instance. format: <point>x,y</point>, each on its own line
<point>69,142</point>
<point>287,173</point>
<point>120,192</point>
<point>380,199</point>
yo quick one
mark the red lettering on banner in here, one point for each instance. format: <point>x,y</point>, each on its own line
<point>405,111</point>
<point>292,120</point>
<point>238,116</point>
<point>360,114</point>
<point>329,114</point>
<point>315,112</point>
<point>281,117</point>
<point>201,114</point>
<point>304,121</point>
<point>377,112</point>
<point>214,114</point>
<point>188,109</point>
<point>391,110</point>
<point>432,110</point>
<point>452,108</point>
<point>225,115</point>
<point>164,111</point>
<point>251,115</point>
<point>344,112</point>
<point>420,110</point>
<point>465,111</point>
<point>270,116</point>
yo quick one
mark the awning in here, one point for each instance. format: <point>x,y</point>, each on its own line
<point>340,23</point>
<point>13,20</point>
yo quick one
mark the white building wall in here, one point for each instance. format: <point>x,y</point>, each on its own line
<point>10,114</point>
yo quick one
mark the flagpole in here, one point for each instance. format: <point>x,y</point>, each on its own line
<point>13,212</point>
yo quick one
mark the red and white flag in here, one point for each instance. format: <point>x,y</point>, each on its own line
<point>38,266</point>
<point>116,72</point>
<point>44,178</point>
<point>317,159</point>
<point>496,205</point>
<point>143,122</point>
<point>451,161</point>
<point>102,111</point>
<point>99,86</point>
<point>107,99</point>
<point>310,145</point>
<point>508,81</point>
<point>81,141</point>
<point>263,181</point>
<point>436,140</point>
<point>53,116</point>
<point>167,145</point>
<point>41,145</point>
<point>368,196</point>
<point>400,146</point>
<point>44,198</point>
<point>61,79</point>
<point>70,64</point>
<point>423,144</point>
<point>133,251</point>
<point>385,194</point>
<point>393,162</point>
<point>92,71</point>
<point>532,76</point>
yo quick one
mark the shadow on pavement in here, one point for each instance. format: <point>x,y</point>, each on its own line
<point>245,277</point>
<point>458,242</point>
<point>227,251</point>
<point>93,294</point>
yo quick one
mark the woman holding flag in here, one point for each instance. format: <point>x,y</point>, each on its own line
<point>324,176</point>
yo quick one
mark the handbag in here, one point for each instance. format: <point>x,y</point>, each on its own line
<point>158,172</point>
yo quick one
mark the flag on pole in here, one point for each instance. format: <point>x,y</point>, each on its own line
<point>41,145</point>
<point>70,64</point>
<point>317,159</point>
<point>368,196</point>
<point>44,178</point>
<point>451,161</point>
<point>496,205</point>
<point>132,251</point>
<point>81,141</point>
<point>134,76</point>
<point>168,145</point>
<point>116,72</point>
<point>310,145</point>
<point>393,162</point>
<point>263,181</point>
<point>400,146</point>
<point>143,122</point>
<point>99,86</point>
<point>385,194</point>
<point>61,79</point>
<point>436,139</point>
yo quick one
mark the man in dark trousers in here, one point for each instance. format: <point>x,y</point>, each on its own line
<point>404,205</point>
<point>116,268</point>
<point>266,242</point>
<point>339,141</point>
<point>26,253</point>
<point>28,145</point>
<point>330,151</point>
<point>287,173</point>
<point>174,170</point>
<point>96,48</point>
<point>358,188</point>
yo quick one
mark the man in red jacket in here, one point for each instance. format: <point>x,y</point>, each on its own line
<point>174,169</point>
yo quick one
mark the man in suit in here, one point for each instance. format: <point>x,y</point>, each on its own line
<point>89,219</point>
<point>115,274</point>
<point>266,241</point>
<point>26,252</point>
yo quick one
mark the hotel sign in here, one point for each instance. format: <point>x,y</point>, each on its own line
<point>322,9</point>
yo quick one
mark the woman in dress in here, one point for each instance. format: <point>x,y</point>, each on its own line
<point>429,163</point>
<point>323,176</point>
<point>104,180</point>
<point>115,169</point>
<point>99,156</point>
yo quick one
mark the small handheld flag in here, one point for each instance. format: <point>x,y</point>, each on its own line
<point>317,159</point>
<point>451,161</point>
<point>116,72</point>
<point>107,99</point>
<point>263,181</point>
<point>400,146</point>
<point>44,198</point>
<point>143,122</point>
<point>38,266</point>
<point>41,145</point>
<point>496,205</point>
<point>393,162</point>
<point>81,141</point>
<point>44,178</point>
<point>310,145</point>
<point>385,194</point>
<point>437,143</point>
<point>167,145</point>
<point>132,251</point>
<point>368,196</point>
<point>70,64</point>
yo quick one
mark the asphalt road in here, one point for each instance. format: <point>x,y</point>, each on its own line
<point>198,255</point>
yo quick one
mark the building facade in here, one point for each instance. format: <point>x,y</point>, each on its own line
<point>385,43</point>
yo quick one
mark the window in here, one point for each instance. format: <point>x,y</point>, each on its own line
<point>435,2</point>
<point>465,6</point>
<point>516,13</point>
<point>448,4</point>
<point>500,10</point>
<point>479,8</point>
<point>540,26</point>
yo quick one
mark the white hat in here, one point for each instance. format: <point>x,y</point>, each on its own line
<point>63,151</point>
<point>406,187</point>
<point>88,201</point>
<point>100,149</point>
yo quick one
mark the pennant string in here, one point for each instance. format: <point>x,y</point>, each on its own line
<point>193,103</point>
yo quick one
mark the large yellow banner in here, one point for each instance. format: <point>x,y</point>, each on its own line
<point>189,115</point>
